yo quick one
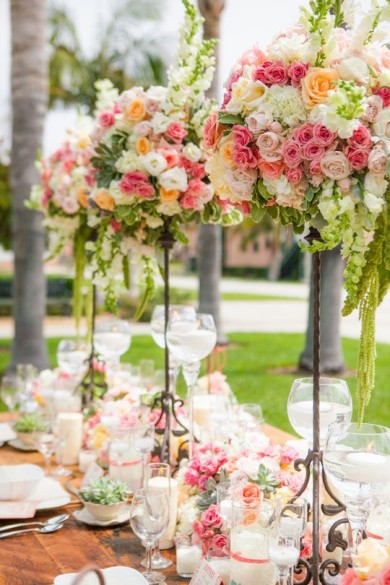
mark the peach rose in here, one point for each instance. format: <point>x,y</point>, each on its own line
<point>335,165</point>
<point>103,199</point>
<point>226,152</point>
<point>316,84</point>
<point>169,195</point>
<point>271,170</point>
<point>82,196</point>
<point>135,111</point>
<point>251,495</point>
<point>142,146</point>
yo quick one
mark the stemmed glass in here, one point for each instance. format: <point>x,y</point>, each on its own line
<point>149,516</point>
<point>72,355</point>
<point>335,408</point>
<point>112,339</point>
<point>358,464</point>
<point>284,553</point>
<point>292,520</point>
<point>45,440</point>
<point>190,339</point>
<point>144,442</point>
<point>26,373</point>
<point>158,476</point>
<point>9,391</point>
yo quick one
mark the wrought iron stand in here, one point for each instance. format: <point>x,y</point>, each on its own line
<point>167,401</point>
<point>316,572</point>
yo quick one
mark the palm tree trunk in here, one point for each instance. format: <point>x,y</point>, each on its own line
<point>29,98</point>
<point>331,353</point>
<point>210,236</point>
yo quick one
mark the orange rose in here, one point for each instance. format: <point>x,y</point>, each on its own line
<point>142,146</point>
<point>84,141</point>
<point>82,196</point>
<point>251,495</point>
<point>316,84</point>
<point>250,517</point>
<point>135,111</point>
<point>103,199</point>
<point>226,152</point>
<point>169,195</point>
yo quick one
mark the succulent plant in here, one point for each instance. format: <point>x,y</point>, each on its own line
<point>105,491</point>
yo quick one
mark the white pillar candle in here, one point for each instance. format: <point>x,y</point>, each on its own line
<point>225,509</point>
<point>125,464</point>
<point>188,559</point>
<point>249,559</point>
<point>201,410</point>
<point>367,467</point>
<point>283,556</point>
<point>86,458</point>
<point>291,526</point>
<point>170,485</point>
<point>70,431</point>
<point>222,568</point>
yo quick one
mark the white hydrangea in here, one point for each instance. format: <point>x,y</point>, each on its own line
<point>286,105</point>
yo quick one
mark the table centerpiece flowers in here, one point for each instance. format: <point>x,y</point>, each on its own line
<point>303,134</point>
<point>150,169</point>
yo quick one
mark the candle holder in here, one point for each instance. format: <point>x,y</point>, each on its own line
<point>316,571</point>
<point>167,401</point>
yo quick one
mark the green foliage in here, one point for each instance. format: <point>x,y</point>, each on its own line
<point>265,479</point>
<point>105,491</point>
<point>230,119</point>
<point>106,159</point>
<point>28,423</point>
<point>5,207</point>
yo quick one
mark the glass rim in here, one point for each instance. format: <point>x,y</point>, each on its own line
<point>366,429</point>
<point>323,379</point>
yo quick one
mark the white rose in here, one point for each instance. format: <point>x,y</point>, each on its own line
<point>381,126</point>
<point>375,184</point>
<point>354,69</point>
<point>157,92</point>
<point>171,208</point>
<point>384,78</point>
<point>373,203</point>
<point>160,123</point>
<point>175,178</point>
<point>153,222</point>
<point>192,152</point>
<point>154,163</point>
<point>259,121</point>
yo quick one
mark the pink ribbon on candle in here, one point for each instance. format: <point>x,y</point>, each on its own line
<point>127,464</point>
<point>371,535</point>
<point>238,557</point>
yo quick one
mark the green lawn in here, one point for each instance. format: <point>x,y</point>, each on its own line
<point>251,356</point>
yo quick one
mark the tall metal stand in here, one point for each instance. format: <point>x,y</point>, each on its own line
<point>167,401</point>
<point>317,570</point>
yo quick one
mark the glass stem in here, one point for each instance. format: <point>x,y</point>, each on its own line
<point>47,465</point>
<point>191,373</point>
<point>357,513</point>
<point>285,576</point>
<point>144,457</point>
<point>149,556</point>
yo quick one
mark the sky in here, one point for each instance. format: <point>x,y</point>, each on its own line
<point>244,23</point>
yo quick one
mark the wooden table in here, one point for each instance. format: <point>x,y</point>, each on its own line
<point>35,559</point>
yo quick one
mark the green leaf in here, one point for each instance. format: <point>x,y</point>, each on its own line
<point>263,190</point>
<point>257,213</point>
<point>309,194</point>
<point>230,119</point>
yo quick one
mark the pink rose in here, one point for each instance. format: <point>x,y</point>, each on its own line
<point>176,132</point>
<point>335,165</point>
<point>197,194</point>
<point>344,185</point>
<point>116,225</point>
<point>276,127</point>
<point>198,528</point>
<point>288,454</point>
<point>350,578</point>
<point>106,119</point>
<point>196,463</point>
<point>171,156</point>
<point>315,167</point>
<point>191,477</point>
<point>316,180</point>
<point>304,133</point>
<point>137,183</point>
<point>219,543</point>
<point>322,135</point>
<point>312,150</point>
<point>358,157</point>
<point>191,202</point>
<point>197,170</point>
<point>384,94</point>
<point>374,106</point>
<point>244,157</point>
<point>259,121</point>
<point>291,153</point>
<point>383,578</point>
<point>271,170</point>
<point>271,72</point>
<point>269,145</point>
<point>377,160</point>
<point>241,135</point>
<point>142,128</point>
<point>252,57</point>
<point>294,175</point>
<point>202,482</point>
<point>361,137</point>
<point>297,72</point>
<point>152,106</point>
<point>212,131</point>
<point>211,517</point>
<point>234,76</point>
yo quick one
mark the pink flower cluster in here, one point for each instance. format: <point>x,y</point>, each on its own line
<point>206,464</point>
<point>382,577</point>
<point>208,532</point>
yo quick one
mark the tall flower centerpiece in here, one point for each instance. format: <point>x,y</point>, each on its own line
<point>67,178</point>
<point>304,135</point>
<point>150,169</point>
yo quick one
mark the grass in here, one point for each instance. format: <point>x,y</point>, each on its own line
<point>250,357</point>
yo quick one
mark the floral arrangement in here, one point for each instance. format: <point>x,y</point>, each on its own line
<point>214,383</point>
<point>67,178</point>
<point>371,565</point>
<point>210,532</point>
<point>150,169</point>
<point>304,134</point>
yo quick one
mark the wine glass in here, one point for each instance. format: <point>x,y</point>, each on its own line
<point>149,516</point>
<point>158,476</point>
<point>72,355</point>
<point>358,464</point>
<point>26,374</point>
<point>9,391</point>
<point>335,408</point>
<point>61,432</point>
<point>45,440</point>
<point>112,339</point>
<point>284,553</point>
<point>144,442</point>
<point>190,340</point>
<point>292,520</point>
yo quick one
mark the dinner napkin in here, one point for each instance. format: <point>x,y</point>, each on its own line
<point>48,493</point>
<point>10,510</point>
<point>112,576</point>
<point>6,433</point>
<point>47,490</point>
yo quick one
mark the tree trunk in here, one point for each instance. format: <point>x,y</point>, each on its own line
<point>29,98</point>
<point>210,236</point>
<point>331,354</point>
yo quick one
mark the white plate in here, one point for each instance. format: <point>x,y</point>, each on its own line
<point>55,503</point>
<point>6,433</point>
<point>17,444</point>
<point>84,516</point>
<point>113,576</point>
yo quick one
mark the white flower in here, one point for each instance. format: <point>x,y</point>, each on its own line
<point>171,208</point>
<point>375,184</point>
<point>292,47</point>
<point>129,161</point>
<point>354,69</point>
<point>107,94</point>
<point>154,163</point>
<point>160,123</point>
<point>286,105</point>
<point>336,123</point>
<point>381,126</point>
<point>157,93</point>
<point>192,152</point>
<point>153,222</point>
<point>373,203</point>
<point>175,178</point>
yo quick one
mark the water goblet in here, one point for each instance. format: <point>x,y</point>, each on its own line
<point>149,517</point>
<point>26,374</point>
<point>292,520</point>
<point>191,339</point>
<point>335,408</point>
<point>284,553</point>
<point>225,500</point>
<point>112,339</point>
<point>9,391</point>
<point>72,355</point>
<point>358,464</point>
<point>144,442</point>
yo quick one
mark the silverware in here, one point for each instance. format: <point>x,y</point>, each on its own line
<point>44,530</point>
<point>55,520</point>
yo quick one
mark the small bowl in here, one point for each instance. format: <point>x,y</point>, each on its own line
<point>26,438</point>
<point>17,482</point>
<point>105,512</point>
